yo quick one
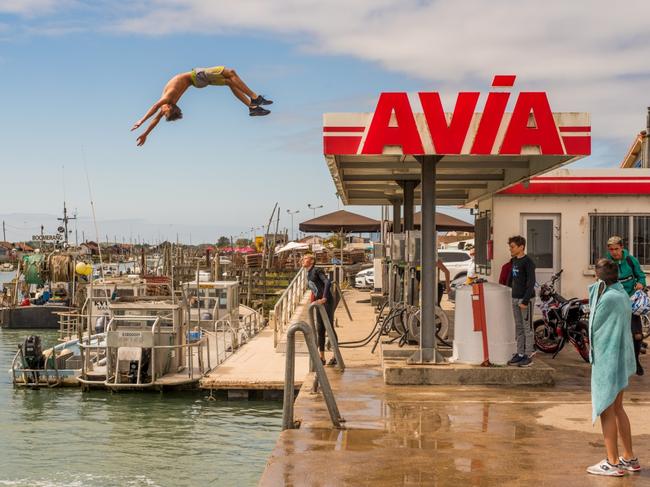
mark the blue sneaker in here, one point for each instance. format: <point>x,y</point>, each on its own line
<point>258,111</point>
<point>525,361</point>
<point>260,100</point>
<point>516,358</point>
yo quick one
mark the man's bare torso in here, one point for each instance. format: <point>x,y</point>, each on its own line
<point>176,86</point>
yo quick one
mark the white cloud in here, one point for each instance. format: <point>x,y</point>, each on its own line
<point>32,8</point>
<point>589,55</point>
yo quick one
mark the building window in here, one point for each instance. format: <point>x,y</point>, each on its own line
<point>635,230</point>
<point>641,239</point>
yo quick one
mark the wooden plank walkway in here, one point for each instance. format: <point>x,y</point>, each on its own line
<point>257,365</point>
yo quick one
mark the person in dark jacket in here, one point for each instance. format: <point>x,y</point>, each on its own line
<point>632,277</point>
<point>522,282</point>
<point>321,292</point>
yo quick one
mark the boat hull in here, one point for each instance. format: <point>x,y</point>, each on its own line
<point>32,317</point>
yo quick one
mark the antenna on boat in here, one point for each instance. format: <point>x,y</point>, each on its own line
<point>66,218</point>
<point>92,207</point>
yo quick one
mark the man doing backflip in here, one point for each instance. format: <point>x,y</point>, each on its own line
<point>200,78</point>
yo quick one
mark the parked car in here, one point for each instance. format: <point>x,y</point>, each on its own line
<point>455,260</point>
<point>365,278</point>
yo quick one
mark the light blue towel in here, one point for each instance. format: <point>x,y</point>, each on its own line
<point>612,351</point>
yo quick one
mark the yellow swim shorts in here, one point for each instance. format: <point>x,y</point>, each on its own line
<point>202,77</point>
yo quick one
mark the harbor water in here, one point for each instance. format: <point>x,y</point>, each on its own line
<point>65,438</point>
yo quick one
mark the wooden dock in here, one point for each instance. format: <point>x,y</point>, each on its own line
<point>256,369</point>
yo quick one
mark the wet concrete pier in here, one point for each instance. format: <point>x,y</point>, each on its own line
<point>449,435</point>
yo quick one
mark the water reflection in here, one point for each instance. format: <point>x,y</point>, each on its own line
<point>421,443</point>
<point>61,437</point>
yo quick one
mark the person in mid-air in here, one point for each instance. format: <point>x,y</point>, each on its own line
<point>200,78</point>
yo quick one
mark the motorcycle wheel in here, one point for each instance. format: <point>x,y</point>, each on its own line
<point>645,323</point>
<point>545,338</point>
<point>581,341</point>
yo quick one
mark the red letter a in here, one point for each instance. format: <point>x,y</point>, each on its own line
<point>448,139</point>
<point>381,134</point>
<point>544,134</point>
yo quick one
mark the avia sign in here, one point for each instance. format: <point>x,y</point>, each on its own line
<point>531,129</point>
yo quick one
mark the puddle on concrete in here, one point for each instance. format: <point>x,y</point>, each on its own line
<point>577,417</point>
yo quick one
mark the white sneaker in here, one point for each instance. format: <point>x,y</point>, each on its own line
<point>605,468</point>
<point>631,465</point>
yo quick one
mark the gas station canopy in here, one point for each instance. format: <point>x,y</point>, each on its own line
<point>371,155</point>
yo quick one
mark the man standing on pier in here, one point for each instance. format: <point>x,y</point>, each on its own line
<point>200,78</point>
<point>320,286</point>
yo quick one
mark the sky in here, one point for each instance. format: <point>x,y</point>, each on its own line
<point>77,74</point>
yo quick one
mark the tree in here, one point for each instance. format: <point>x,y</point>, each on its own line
<point>223,242</point>
<point>242,242</point>
<point>333,241</point>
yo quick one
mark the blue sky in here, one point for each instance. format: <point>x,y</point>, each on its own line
<point>77,75</point>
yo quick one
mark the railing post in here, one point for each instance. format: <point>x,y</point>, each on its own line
<point>319,308</point>
<point>328,395</point>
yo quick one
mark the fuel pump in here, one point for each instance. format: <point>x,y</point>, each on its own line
<point>396,268</point>
<point>412,268</point>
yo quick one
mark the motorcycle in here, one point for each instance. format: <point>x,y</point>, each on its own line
<point>564,320</point>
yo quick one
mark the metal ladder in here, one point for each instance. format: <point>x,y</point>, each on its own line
<point>309,331</point>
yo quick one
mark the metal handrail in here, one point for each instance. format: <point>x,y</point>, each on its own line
<point>248,327</point>
<point>289,377</point>
<point>329,329</point>
<point>287,304</point>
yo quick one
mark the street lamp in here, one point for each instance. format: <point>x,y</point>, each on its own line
<point>314,208</point>
<point>292,213</point>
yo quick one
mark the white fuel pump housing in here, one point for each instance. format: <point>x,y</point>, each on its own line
<point>468,344</point>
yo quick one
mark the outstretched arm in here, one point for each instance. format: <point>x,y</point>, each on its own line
<point>154,108</point>
<point>143,138</point>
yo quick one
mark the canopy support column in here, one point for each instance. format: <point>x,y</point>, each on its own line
<point>409,201</point>
<point>428,352</point>
<point>397,215</point>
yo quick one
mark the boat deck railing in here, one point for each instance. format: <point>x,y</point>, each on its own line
<point>192,348</point>
<point>286,306</point>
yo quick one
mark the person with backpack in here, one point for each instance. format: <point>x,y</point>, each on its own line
<point>633,279</point>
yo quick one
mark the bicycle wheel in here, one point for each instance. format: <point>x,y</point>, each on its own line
<point>442,323</point>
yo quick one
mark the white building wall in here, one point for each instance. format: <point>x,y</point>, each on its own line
<point>507,211</point>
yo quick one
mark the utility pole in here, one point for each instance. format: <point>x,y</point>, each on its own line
<point>4,232</point>
<point>314,208</point>
<point>292,213</point>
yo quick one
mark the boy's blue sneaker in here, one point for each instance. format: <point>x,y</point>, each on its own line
<point>516,358</point>
<point>526,361</point>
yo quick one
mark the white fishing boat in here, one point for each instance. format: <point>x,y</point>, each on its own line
<point>56,366</point>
